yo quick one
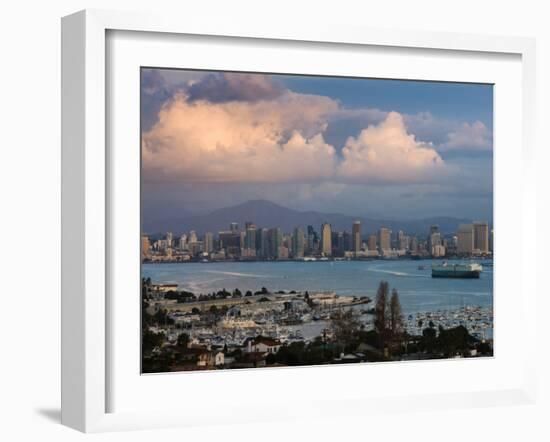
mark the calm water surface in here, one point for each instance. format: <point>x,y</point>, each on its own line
<point>418,291</point>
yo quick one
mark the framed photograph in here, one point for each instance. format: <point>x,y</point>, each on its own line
<point>293,222</point>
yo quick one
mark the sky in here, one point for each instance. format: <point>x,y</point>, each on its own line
<point>392,149</point>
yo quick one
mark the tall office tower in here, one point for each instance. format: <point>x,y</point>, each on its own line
<point>275,241</point>
<point>402,240</point>
<point>312,240</point>
<point>169,238</point>
<point>356,236</point>
<point>234,227</point>
<point>193,236</point>
<point>434,229</point>
<point>208,243</point>
<point>465,239</point>
<point>145,247</point>
<point>414,244</point>
<point>338,243</point>
<point>434,241</point>
<point>372,242</point>
<point>183,242</point>
<point>384,235</point>
<point>491,242</point>
<point>250,237</point>
<point>262,243</point>
<point>481,236</point>
<point>298,243</point>
<point>348,242</point>
<point>326,239</point>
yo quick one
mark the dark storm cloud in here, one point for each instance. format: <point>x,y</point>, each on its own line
<point>223,87</point>
<point>154,93</point>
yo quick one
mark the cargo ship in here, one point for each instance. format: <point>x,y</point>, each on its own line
<point>446,270</point>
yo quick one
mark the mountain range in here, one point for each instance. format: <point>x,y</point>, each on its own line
<point>268,214</point>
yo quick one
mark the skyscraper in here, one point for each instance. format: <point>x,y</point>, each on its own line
<point>183,242</point>
<point>298,243</point>
<point>312,240</point>
<point>356,236</point>
<point>234,227</point>
<point>481,236</point>
<point>250,237</point>
<point>384,238</point>
<point>275,241</point>
<point>372,242</point>
<point>262,243</point>
<point>326,239</point>
<point>208,243</point>
<point>465,239</point>
<point>145,246</point>
<point>169,238</point>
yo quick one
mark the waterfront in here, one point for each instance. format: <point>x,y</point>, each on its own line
<point>418,291</point>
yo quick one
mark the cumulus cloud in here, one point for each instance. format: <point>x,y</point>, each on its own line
<point>475,136</point>
<point>265,141</point>
<point>388,153</point>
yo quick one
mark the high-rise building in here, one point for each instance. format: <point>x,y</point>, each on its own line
<point>183,242</point>
<point>169,238</point>
<point>298,243</point>
<point>234,227</point>
<point>414,244</point>
<point>145,247</point>
<point>337,242</point>
<point>262,243</point>
<point>465,239</point>
<point>312,241</point>
<point>384,235</point>
<point>372,242</point>
<point>208,243</point>
<point>481,236</point>
<point>348,242</point>
<point>193,236</point>
<point>229,239</point>
<point>250,237</point>
<point>402,240</point>
<point>326,240</point>
<point>275,241</point>
<point>434,241</point>
<point>356,236</point>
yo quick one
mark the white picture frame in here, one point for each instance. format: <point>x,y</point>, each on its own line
<point>86,209</point>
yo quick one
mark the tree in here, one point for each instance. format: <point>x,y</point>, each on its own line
<point>381,314</point>
<point>345,325</point>
<point>396,315</point>
<point>183,340</point>
<point>152,340</point>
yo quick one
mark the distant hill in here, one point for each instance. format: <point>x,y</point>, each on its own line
<point>267,214</point>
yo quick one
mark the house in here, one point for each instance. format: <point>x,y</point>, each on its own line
<point>262,344</point>
<point>211,359</point>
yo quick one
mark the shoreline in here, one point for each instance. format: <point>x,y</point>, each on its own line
<point>319,260</point>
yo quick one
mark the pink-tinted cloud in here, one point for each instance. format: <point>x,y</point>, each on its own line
<point>475,136</point>
<point>238,141</point>
<point>388,153</point>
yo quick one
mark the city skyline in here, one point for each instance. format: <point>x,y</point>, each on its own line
<point>253,242</point>
<point>361,147</point>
